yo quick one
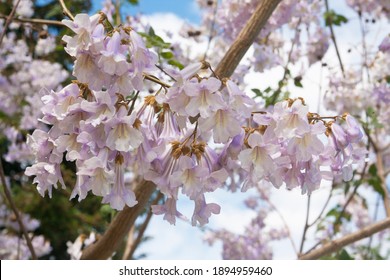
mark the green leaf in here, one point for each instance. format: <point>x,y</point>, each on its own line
<point>133,2</point>
<point>297,81</point>
<point>343,255</point>
<point>331,18</point>
<point>175,63</point>
<point>334,212</point>
<point>257,92</point>
<point>55,11</point>
<point>151,32</point>
<point>167,55</point>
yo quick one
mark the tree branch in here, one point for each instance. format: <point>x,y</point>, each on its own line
<point>122,223</point>
<point>306,225</point>
<point>333,37</point>
<point>120,226</point>
<point>65,10</point>
<point>16,212</point>
<point>386,198</point>
<point>337,244</point>
<point>129,243</point>
<point>34,20</point>
<point>8,21</point>
<point>246,37</point>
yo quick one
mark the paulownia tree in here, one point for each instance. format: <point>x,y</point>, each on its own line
<point>143,120</point>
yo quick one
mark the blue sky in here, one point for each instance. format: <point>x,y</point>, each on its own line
<point>186,9</point>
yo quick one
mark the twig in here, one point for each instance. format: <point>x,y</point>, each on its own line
<point>65,10</point>
<point>16,212</point>
<point>306,225</point>
<point>142,229</point>
<point>323,208</point>
<point>34,20</point>
<point>246,37</point>
<point>365,65</point>
<point>285,224</point>
<point>212,28</point>
<point>333,38</point>
<point>337,244</point>
<point>8,21</point>
<point>286,70</point>
<point>133,103</point>
<point>117,12</point>
<point>155,80</point>
<point>165,72</point>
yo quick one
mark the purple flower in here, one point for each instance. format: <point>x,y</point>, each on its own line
<point>204,98</point>
<point>121,135</point>
<point>169,211</point>
<point>203,211</point>
<point>113,59</point>
<point>120,195</point>
<point>385,44</point>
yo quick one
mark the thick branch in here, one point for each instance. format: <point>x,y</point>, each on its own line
<point>337,244</point>
<point>246,37</point>
<point>120,226</point>
<point>122,223</point>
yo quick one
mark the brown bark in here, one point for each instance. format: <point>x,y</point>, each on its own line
<point>246,37</point>
<point>335,245</point>
<point>120,226</point>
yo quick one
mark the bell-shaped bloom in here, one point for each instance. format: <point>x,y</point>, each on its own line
<point>204,97</point>
<point>121,135</point>
<point>203,211</point>
<point>113,58</point>
<point>96,168</point>
<point>223,124</point>
<point>306,146</point>
<point>83,26</point>
<point>120,195</point>
<point>168,209</point>
<point>291,120</point>
<point>190,176</point>
<point>353,130</point>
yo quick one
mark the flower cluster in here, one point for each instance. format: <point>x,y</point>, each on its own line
<point>285,146</point>
<point>250,245</point>
<point>188,137</point>
<point>24,79</point>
